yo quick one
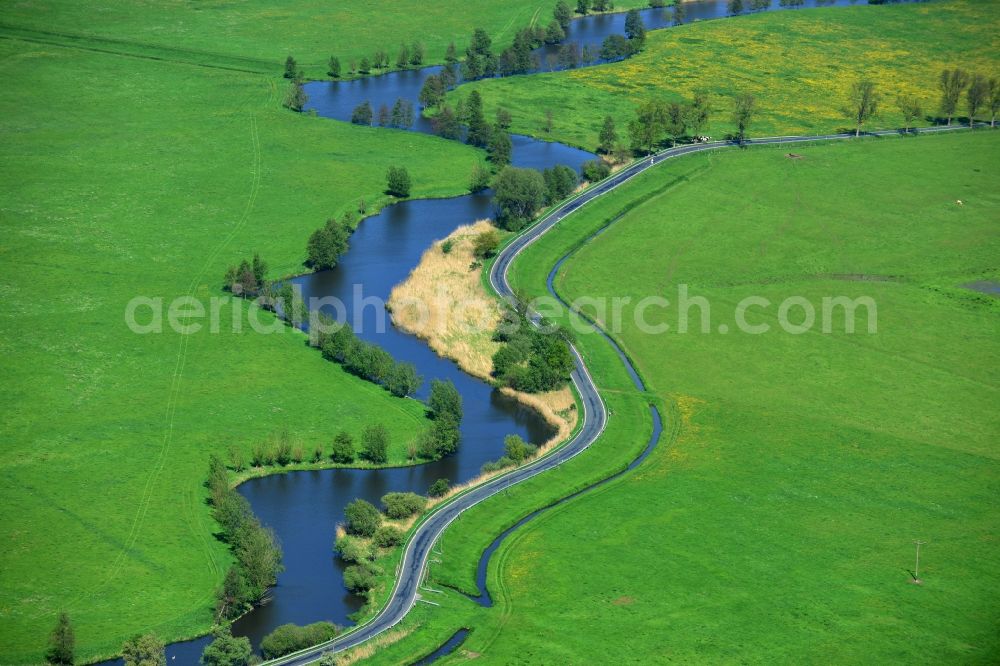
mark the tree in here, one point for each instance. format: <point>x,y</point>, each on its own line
<point>615,47</point>
<point>359,579</point>
<point>343,448</point>
<point>519,193</point>
<point>479,130</point>
<point>560,181</point>
<point>383,117</point>
<point>290,638</point>
<point>635,30</point>
<point>403,380</point>
<point>517,449</point>
<point>864,103</point>
<point>445,399</point>
<point>680,12</point>
<point>446,124</point>
<point>952,83</point>
<point>362,518</point>
<point>398,182</point>
<point>375,443</point>
<point>480,179</point>
<point>327,245</point>
<point>364,67</point>
<point>145,650</point>
<point>697,113</point>
<point>596,170</point>
<point>388,536</point>
<point>417,54</point>
<point>994,101</point>
<point>227,650</point>
<point>403,59</point>
<point>333,67</point>
<point>291,68</point>
<point>909,107</point>
<point>609,136</point>
<point>735,7</point>
<point>232,599</point>
<point>583,7</point>
<point>362,114</point>
<point>504,119</point>
<point>403,505</point>
<point>977,96</point>
<point>432,92</point>
<point>500,148</point>
<point>439,488</point>
<point>62,642</point>
<point>402,114</point>
<point>554,33</point>
<point>296,97</point>
<point>258,552</point>
<point>563,14</point>
<point>646,130</point>
<point>744,107</point>
<point>569,56</point>
<point>486,244</point>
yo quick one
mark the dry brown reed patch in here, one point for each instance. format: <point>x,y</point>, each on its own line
<point>443,302</point>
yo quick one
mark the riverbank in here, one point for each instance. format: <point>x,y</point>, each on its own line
<point>443,302</point>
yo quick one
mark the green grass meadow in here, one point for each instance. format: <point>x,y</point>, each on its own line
<point>127,177</point>
<point>775,521</point>
<point>800,65</point>
<point>256,35</point>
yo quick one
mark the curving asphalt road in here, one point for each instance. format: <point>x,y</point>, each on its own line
<point>418,549</point>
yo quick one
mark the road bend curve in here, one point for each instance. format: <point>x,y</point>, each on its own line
<point>594,415</point>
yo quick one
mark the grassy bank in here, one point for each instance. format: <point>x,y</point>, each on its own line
<point>800,66</point>
<point>779,523</point>
<point>257,35</point>
<point>127,177</point>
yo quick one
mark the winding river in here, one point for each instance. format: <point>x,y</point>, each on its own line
<point>304,507</point>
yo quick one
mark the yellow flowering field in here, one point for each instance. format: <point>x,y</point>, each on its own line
<point>799,64</point>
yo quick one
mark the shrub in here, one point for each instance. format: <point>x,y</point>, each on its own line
<point>375,443</point>
<point>359,579</point>
<point>595,170</point>
<point>517,449</point>
<point>317,453</point>
<point>352,549</point>
<point>560,181</point>
<point>328,244</point>
<point>343,448</point>
<point>362,518</point>
<point>439,488</point>
<point>496,465</point>
<point>447,246</point>
<point>227,650</point>
<point>445,400</point>
<point>486,244</point>
<point>388,536</point>
<point>519,193</point>
<point>398,182</point>
<point>403,505</point>
<point>290,638</point>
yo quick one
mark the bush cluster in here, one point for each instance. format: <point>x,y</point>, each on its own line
<point>289,638</point>
<point>369,361</point>
<point>516,452</point>
<point>255,547</point>
<point>530,360</point>
<point>445,407</point>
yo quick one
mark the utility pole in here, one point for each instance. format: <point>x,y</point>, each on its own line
<point>916,568</point>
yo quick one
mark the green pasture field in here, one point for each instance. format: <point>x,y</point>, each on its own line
<point>776,520</point>
<point>127,177</point>
<point>256,35</point>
